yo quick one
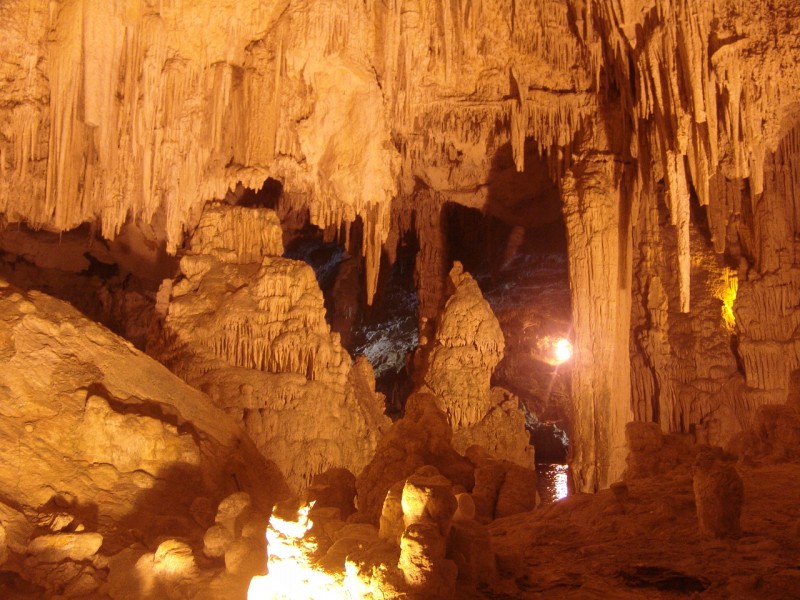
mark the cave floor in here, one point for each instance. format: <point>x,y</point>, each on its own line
<point>648,544</point>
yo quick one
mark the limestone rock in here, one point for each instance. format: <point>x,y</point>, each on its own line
<point>237,235</point>
<point>313,554</point>
<point>778,430</point>
<point>231,511</point>
<point>719,495</point>
<point>653,453</point>
<point>501,431</point>
<point>422,437</point>
<point>334,488</point>
<point>173,560</point>
<point>115,449</point>
<point>253,336</point>
<point>470,547</point>
<point>465,510</point>
<point>467,346</point>
<point>426,571</point>
<point>216,541</point>
<point>518,492</point>
<point>392,522</point>
<point>65,546</point>
<point>3,545</point>
<point>502,488</point>
<point>428,496</point>
<point>245,557</point>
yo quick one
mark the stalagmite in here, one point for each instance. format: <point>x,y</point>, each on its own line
<point>465,349</point>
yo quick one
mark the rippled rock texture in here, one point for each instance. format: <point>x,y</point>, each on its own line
<point>104,451</point>
<point>248,327</point>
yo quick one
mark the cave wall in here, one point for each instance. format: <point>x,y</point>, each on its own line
<point>136,110</point>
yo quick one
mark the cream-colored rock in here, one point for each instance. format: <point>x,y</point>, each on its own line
<point>502,488</point>
<point>466,507</point>
<point>425,569</point>
<point>237,234</point>
<point>3,545</point>
<point>245,557</point>
<point>466,348</point>
<point>470,547</point>
<point>174,560</point>
<point>115,449</point>
<point>61,546</point>
<point>392,524</point>
<point>253,335</point>
<point>230,512</point>
<point>422,437</point>
<point>501,431</point>
<point>518,492</point>
<point>428,496</point>
<point>217,540</point>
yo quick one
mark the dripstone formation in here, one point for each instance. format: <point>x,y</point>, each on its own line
<point>182,404</point>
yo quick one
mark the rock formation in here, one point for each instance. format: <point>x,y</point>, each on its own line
<point>718,495</point>
<point>427,547</point>
<point>248,327</point>
<point>632,114</point>
<point>458,365</point>
<point>104,451</point>
<point>663,136</point>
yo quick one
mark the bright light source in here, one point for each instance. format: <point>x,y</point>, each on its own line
<point>562,350</point>
<point>726,291</point>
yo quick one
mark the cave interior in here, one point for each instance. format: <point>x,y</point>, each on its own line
<point>420,299</point>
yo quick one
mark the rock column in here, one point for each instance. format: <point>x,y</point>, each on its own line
<point>598,232</point>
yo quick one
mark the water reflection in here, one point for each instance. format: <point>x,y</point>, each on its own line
<point>552,482</point>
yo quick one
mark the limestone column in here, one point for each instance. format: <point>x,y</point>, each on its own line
<point>598,238</point>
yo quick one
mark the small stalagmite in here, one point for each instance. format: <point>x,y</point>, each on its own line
<point>718,495</point>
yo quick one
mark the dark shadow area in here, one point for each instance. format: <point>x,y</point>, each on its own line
<point>662,578</point>
<point>385,332</point>
<point>14,587</point>
<point>101,279</point>
<point>388,332</point>
<point>164,511</point>
<point>267,197</point>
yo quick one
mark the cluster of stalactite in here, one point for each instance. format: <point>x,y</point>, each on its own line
<point>143,111</point>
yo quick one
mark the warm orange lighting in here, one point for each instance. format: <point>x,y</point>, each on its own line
<point>726,291</point>
<point>552,349</point>
<point>562,350</point>
<point>292,573</point>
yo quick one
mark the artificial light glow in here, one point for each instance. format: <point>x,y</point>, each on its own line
<point>727,291</point>
<point>562,350</point>
<point>552,349</point>
<point>292,573</point>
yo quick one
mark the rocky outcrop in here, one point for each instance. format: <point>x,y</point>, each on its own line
<point>104,451</point>
<point>422,437</point>
<point>465,349</point>
<point>427,547</point>
<point>248,327</point>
